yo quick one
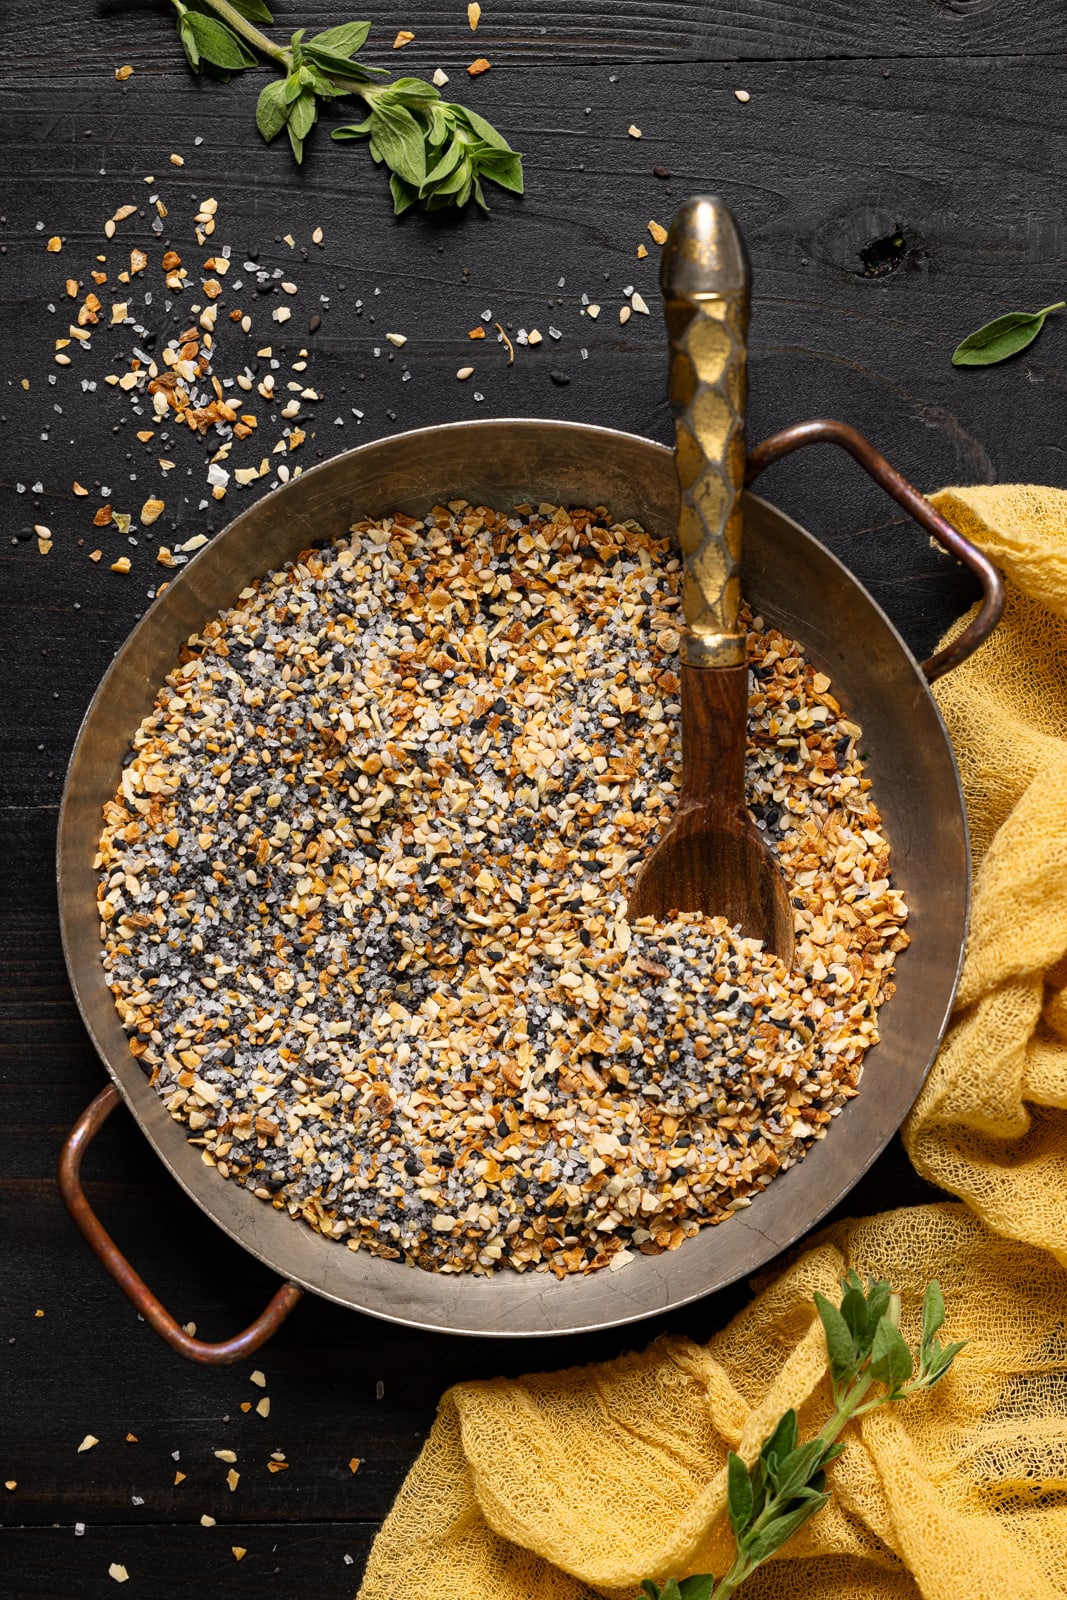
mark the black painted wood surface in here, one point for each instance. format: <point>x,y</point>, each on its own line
<point>898,174</point>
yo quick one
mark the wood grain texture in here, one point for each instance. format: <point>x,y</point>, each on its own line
<point>713,858</point>
<point>172,1561</point>
<point>551,34</point>
<point>936,122</point>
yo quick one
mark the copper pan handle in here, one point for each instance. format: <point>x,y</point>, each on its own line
<point>130,1282</point>
<point>826,431</point>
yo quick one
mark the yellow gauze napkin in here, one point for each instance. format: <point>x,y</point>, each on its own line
<point>570,1485</point>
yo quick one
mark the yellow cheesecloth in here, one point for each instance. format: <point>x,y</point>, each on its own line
<point>570,1485</point>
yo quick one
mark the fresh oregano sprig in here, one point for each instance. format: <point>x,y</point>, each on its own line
<point>786,1485</point>
<point>437,151</point>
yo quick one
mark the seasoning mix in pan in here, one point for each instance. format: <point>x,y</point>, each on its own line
<point>363,901</point>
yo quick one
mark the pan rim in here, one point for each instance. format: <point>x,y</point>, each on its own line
<point>626,1312</point>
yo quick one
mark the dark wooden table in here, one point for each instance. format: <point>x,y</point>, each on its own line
<point>898,173</point>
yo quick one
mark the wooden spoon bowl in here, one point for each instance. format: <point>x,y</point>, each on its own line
<point>713,858</point>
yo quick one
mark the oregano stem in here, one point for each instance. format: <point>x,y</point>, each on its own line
<point>846,1408</point>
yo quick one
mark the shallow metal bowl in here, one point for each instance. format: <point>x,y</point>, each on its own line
<point>789,578</point>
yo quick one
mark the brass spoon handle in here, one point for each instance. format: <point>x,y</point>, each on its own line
<point>706,284</point>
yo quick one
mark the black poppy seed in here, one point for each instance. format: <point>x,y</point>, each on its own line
<point>377,868</point>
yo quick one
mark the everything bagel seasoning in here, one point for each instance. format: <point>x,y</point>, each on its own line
<point>363,901</point>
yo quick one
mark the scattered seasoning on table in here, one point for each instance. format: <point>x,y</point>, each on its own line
<point>363,900</point>
<point>176,351</point>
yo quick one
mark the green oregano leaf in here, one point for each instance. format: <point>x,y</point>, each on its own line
<point>303,114</point>
<point>795,1470</point>
<point>343,40</point>
<point>782,1441</point>
<point>774,1534</point>
<point>354,71</point>
<point>478,125</point>
<point>891,1360</point>
<point>503,168</point>
<point>455,181</point>
<point>218,44</point>
<point>447,164</point>
<point>838,1338</point>
<point>854,1311</point>
<point>1001,338</point>
<point>650,1588</point>
<point>738,1494</point>
<point>354,130</point>
<point>188,39</point>
<point>697,1587</point>
<point>407,92</point>
<point>272,111</point>
<point>404,194</point>
<point>400,141</point>
<point>878,1293</point>
<point>933,1311</point>
<point>941,1362</point>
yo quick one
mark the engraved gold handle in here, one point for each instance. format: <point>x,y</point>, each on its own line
<point>705,281</point>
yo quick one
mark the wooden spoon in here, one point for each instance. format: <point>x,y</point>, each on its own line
<point>712,857</point>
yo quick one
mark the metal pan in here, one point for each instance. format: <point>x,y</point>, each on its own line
<point>789,578</point>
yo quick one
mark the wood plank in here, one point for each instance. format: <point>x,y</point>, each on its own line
<point>174,1561</point>
<point>935,121</point>
<point>550,35</point>
<point>813,191</point>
